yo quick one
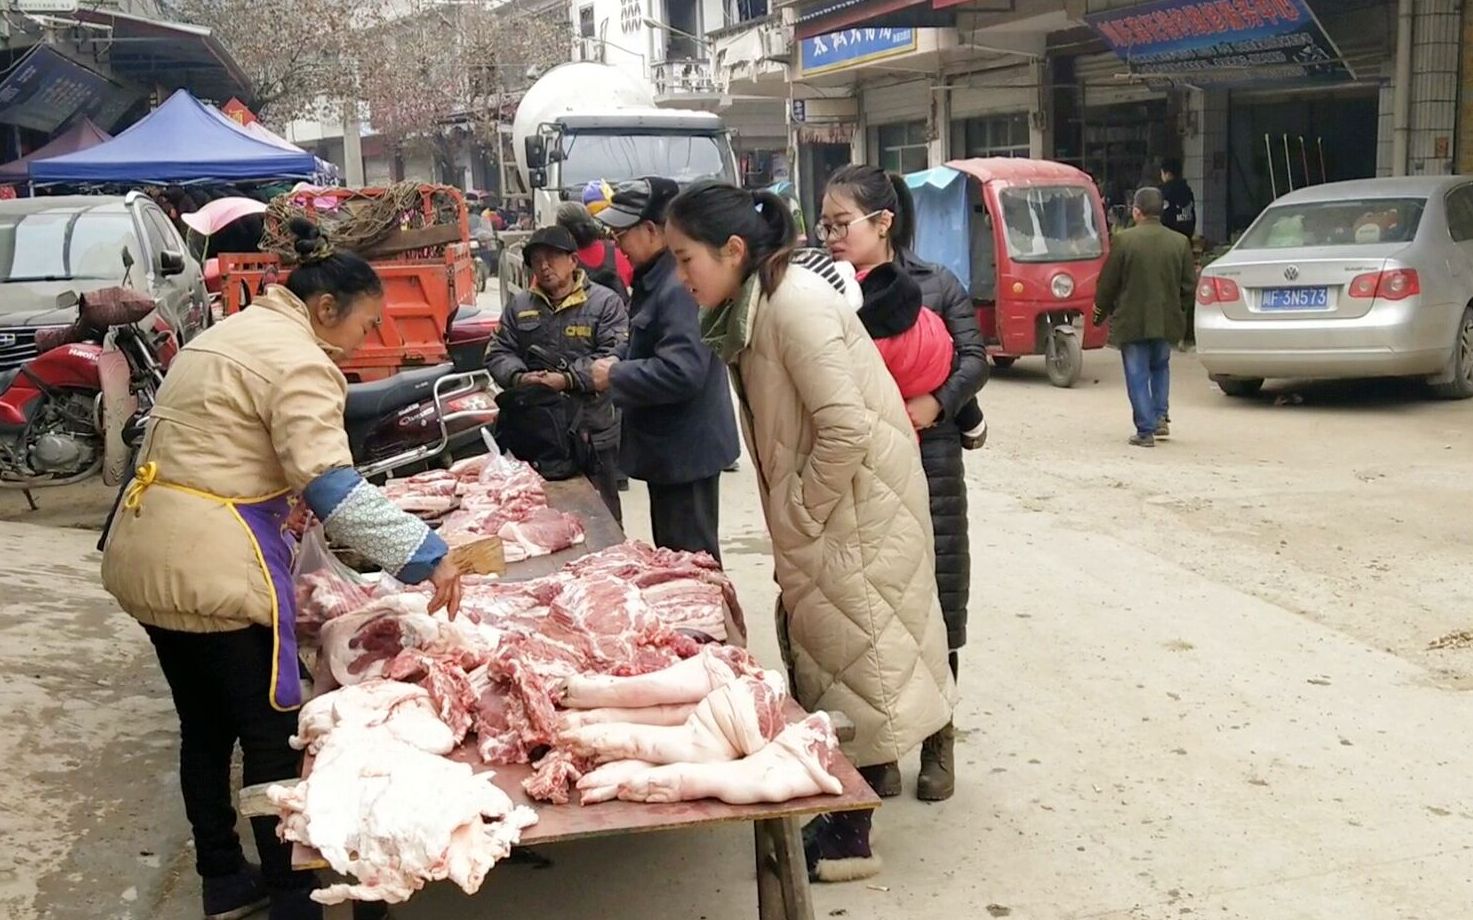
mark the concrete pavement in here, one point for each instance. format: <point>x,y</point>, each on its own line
<point>1199,685</point>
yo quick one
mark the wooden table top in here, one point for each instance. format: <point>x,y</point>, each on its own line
<point>559,823</point>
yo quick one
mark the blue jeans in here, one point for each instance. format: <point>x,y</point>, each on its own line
<point>1148,381</point>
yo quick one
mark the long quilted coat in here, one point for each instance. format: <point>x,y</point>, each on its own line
<point>941,446</point>
<point>845,500</point>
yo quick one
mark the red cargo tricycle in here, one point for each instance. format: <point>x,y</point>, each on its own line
<point>1027,238</point>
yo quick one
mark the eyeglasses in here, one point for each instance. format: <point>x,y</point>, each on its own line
<point>832,233</point>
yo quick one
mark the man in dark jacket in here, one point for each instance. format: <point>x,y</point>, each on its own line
<point>1180,210</point>
<point>1145,288</point>
<point>543,356</point>
<point>679,427</point>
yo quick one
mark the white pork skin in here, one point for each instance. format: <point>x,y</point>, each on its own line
<point>732,721</point>
<point>796,764</point>
<point>688,681</point>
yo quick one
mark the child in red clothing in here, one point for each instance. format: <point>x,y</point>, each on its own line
<point>914,342</point>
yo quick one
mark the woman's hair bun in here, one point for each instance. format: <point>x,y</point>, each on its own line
<point>309,243</point>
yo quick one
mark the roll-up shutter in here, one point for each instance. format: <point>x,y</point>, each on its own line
<point>1097,72</point>
<point>994,92</point>
<point>883,105</point>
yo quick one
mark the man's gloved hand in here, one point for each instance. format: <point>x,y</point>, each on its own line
<point>1100,317</point>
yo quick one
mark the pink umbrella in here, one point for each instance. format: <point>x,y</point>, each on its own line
<point>208,220</point>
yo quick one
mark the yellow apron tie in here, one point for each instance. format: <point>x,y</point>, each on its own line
<point>146,475</point>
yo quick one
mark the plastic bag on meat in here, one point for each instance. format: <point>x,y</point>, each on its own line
<point>325,587</point>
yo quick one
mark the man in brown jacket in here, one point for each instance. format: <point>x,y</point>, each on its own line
<point>1145,289</point>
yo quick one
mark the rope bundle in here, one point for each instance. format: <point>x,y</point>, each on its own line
<point>357,220</point>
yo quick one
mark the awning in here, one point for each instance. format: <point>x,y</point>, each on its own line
<point>81,136</point>
<point>174,55</point>
<point>837,15</point>
<point>1210,42</point>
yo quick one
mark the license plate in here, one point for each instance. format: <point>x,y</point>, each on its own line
<point>1295,298</point>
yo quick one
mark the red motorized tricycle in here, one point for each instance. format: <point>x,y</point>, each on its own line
<point>1028,239</point>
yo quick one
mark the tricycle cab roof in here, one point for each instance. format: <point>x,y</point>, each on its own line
<point>1020,170</point>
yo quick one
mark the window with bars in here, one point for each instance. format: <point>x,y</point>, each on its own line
<point>903,146</point>
<point>991,136</point>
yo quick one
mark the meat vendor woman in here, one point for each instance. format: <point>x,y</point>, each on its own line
<point>251,415</point>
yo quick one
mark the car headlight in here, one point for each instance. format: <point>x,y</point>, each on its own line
<point>1062,285</point>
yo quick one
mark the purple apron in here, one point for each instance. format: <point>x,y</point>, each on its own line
<point>276,547</point>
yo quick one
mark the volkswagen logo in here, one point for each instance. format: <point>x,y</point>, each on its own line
<point>1291,273</point>
<point>7,339</point>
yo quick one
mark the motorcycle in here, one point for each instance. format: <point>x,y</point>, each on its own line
<point>404,422</point>
<point>77,408</point>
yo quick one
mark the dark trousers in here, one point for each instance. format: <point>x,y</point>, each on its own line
<point>221,685</point>
<point>686,515</point>
<point>1148,382</point>
<point>603,473</point>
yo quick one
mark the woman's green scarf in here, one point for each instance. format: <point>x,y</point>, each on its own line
<point>725,328</point>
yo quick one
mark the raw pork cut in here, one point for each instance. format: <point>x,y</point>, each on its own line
<point>543,532</point>
<point>405,711</point>
<point>666,577</point>
<point>734,720</point>
<point>668,714</point>
<point>325,595</point>
<point>798,763</point>
<point>359,646</point>
<point>395,817</point>
<point>689,681</point>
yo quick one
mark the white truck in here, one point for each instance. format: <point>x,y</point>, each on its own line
<point>584,121</point>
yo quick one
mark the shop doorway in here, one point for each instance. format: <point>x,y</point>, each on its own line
<point>1279,143</point>
<point>819,162</point>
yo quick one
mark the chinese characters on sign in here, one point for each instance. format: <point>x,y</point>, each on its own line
<point>1221,41</point>
<point>851,47</point>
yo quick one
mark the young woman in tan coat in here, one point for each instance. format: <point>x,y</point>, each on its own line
<point>842,489</point>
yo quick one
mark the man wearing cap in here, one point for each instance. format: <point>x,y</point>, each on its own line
<point>679,428</point>
<point>543,357</point>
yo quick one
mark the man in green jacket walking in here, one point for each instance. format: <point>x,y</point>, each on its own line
<point>1145,289</point>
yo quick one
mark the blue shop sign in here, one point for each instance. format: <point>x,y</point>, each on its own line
<point>1221,42</point>
<point>852,47</point>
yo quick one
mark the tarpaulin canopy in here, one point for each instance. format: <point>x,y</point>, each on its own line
<point>180,141</point>
<point>943,213</point>
<point>81,136</point>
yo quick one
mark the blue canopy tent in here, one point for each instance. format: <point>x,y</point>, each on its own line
<point>180,141</point>
<point>943,214</point>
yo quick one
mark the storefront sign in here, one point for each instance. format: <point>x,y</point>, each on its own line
<point>853,47</point>
<point>1218,42</point>
<point>45,89</point>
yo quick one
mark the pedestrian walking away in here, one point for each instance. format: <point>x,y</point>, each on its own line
<point>1145,289</point>
<point>868,221</point>
<point>251,412</point>
<point>542,357</point>
<point>679,430</point>
<point>842,490</point>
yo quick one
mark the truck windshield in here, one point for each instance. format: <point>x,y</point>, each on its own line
<point>616,157</point>
<point>1050,223</point>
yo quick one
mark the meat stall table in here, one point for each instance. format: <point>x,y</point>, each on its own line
<point>782,875</point>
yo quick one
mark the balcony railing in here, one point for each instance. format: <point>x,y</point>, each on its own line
<point>682,78</point>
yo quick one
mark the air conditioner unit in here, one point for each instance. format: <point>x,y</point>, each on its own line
<point>775,45</point>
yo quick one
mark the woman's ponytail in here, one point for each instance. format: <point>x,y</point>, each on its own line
<point>781,238</point>
<point>903,224</point>
<point>713,212</point>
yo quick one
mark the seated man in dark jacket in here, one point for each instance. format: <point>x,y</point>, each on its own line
<point>543,357</point>
<point>679,428</point>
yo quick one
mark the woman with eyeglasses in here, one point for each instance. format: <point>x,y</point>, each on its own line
<point>841,488</point>
<point>868,220</point>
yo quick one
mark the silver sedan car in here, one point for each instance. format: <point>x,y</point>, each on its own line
<point>1372,278</point>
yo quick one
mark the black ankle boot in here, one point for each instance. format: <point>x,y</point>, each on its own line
<point>233,897</point>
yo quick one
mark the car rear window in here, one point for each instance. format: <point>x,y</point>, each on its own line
<point>1359,222</point>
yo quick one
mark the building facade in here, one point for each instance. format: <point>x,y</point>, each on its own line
<point>1255,97</point>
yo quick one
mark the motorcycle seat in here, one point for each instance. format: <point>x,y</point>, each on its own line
<point>7,378</point>
<point>380,397</point>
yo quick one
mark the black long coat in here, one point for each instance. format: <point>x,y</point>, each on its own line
<point>941,445</point>
<point>674,391</point>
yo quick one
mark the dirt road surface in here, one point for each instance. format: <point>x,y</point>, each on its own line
<point>1200,684</point>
